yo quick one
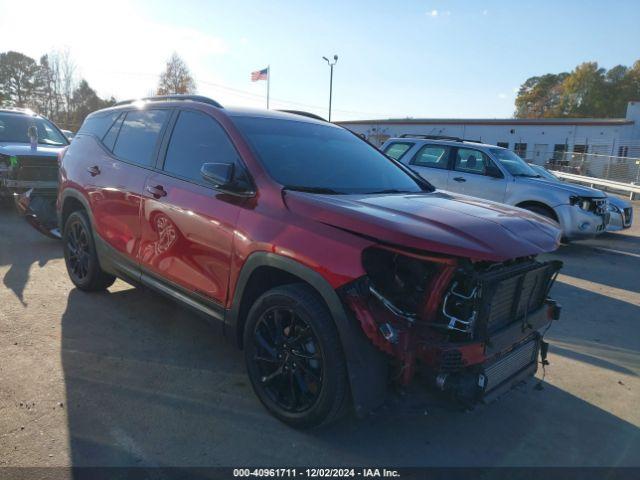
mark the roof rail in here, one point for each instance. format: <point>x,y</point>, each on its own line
<point>168,98</point>
<point>439,137</point>
<point>304,114</point>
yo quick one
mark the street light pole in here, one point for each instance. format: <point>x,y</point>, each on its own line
<point>331,64</point>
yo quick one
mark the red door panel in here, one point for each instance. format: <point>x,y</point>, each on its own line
<point>187,234</point>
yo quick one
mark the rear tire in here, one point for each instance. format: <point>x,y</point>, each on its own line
<point>80,255</point>
<point>294,357</point>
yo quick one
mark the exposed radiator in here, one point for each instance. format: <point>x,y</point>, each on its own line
<point>511,294</point>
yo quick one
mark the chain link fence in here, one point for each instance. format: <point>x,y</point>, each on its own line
<point>607,167</point>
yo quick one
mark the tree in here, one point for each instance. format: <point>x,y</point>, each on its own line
<point>588,91</point>
<point>47,82</point>
<point>584,92</point>
<point>17,78</point>
<point>67,82</point>
<point>50,87</point>
<point>540,96</point>
<point>85,100</point>
<point>176,78</point>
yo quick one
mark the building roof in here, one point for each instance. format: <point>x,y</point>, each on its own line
<point>494,121</point>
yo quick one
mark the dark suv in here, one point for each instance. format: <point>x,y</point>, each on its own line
<point>337,270</point>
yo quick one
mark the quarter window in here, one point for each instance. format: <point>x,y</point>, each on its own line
<point>109,139</point>
<point>471,161</point>
<point>434,156</point>
<point>397,150</point>
<point>196,139</point>
<point>139,135</point>
<point>98,124</point>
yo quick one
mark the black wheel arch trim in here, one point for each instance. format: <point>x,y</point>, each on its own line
<point>68,193</point>
<point>367,366</point>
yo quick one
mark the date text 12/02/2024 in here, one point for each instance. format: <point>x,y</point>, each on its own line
<point>316,473</point>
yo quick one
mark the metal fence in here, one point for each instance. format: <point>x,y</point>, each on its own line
<point>608,167</point>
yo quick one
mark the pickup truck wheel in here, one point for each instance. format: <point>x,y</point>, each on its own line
<point>80,255</point>
<point>294,357</point>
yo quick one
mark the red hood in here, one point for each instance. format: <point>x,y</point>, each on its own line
<point>438,222</point>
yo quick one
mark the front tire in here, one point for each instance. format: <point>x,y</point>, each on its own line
<point>294,357</point>
<point>80,255</point>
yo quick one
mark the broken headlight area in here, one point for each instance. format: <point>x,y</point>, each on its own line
<point>446,315</point>
<point>598,206</point>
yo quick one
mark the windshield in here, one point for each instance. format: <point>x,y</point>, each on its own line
<point>513,163</point>
<point>323,158</point>
<point>14,128</point>
<point>544,173</point>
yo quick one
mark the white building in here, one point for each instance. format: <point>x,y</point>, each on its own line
<point>537,140</point>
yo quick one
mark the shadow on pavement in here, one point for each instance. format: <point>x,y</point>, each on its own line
<point>34,249</point>
<point>150,384</point>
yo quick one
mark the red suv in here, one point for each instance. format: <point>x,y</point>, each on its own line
<point>339,271</point>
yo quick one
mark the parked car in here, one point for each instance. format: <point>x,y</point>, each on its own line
<point>497,174</point>
<point>29,148</point>
<point>620,210</point>
<point>338,270</point>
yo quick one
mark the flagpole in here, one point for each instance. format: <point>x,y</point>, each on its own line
<point>268,82</point>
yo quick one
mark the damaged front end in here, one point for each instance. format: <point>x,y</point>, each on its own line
<point>39,209</point>
<point>470,328</point>
<point>32,180</point>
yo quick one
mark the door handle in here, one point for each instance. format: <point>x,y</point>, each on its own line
<point>157,191</point>
<point>95,170</point>
<point>460,179</point>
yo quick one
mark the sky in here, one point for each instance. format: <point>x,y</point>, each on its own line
<point>437,59</point>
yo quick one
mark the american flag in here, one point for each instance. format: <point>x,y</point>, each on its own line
<point>260,75</point>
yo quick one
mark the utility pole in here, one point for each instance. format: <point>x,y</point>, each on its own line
<point>331,64</point>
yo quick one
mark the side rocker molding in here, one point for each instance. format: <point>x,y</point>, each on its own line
<point>367,366</point>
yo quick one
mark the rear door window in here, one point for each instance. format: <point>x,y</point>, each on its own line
<point>139,135</point>
<point>397,150</point>
<point>433,156</point>
<point>471,161</point>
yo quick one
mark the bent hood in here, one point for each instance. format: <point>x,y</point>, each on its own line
<point>438,222</point>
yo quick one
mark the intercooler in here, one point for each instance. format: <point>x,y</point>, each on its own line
<point>510,364</point>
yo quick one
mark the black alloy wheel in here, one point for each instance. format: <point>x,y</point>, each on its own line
<point>294,357</point>
<point>288,358</point>
<point>80,255</point>
<point>77,244</point>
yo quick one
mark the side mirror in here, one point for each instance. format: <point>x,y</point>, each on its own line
<point>219,174</point>
<point>492,171</point>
